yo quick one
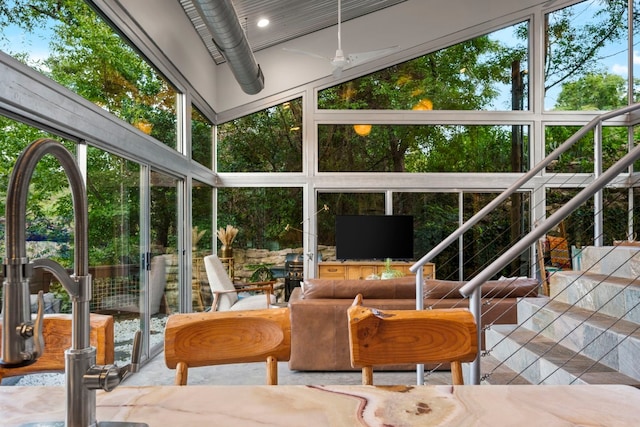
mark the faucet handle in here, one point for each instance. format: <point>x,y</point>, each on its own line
<point>38,335</point>
<point>136,352</point>
<point>33,330</point>
<point>108,377</point>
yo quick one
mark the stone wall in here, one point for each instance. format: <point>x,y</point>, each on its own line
<point>243,259</point>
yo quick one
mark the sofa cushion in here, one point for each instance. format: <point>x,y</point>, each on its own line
<point>399,288</point>
<point>405,287</point>
<point>511,287</point>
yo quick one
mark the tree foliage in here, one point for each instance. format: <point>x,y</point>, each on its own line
<point>88,57</point>
<point>267,141</point>
<point>575,46</point>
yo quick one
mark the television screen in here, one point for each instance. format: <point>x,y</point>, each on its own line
<point>374,237</point>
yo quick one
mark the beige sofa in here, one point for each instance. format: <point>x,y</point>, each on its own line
<point>319,335</point>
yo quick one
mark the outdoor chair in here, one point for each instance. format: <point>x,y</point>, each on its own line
<point>393,337</point>
<point>559,252</point>
<point>225,293</point>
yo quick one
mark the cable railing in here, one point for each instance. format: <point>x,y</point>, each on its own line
<point>599,180</point>
<point>610,315</point>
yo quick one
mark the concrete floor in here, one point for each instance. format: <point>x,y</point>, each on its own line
<point>155,372</point>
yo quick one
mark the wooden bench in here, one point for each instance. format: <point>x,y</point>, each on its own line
<point>226,337</point>
<point>57,339</point>
<point>388,337</point>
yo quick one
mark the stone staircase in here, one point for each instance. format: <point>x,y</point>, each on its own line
<point>586,332</point>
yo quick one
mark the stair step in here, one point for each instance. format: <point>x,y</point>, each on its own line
<point>611,341</point>
<point>493,372</point>
<point>616,296</point>
<point>541,361</point>
<point>619,261</point>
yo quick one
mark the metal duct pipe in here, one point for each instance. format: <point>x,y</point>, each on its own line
<point>220,18</point>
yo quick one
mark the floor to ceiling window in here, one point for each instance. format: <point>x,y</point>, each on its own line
<point>202,242</point>
<point>75,47</point>
<point>201,138</point>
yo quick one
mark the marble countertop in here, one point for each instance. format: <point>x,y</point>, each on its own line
<point>323,406</point>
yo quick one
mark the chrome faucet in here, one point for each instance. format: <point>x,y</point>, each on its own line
<point>22,338</point>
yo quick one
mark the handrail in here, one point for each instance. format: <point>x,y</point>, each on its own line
<point>519,183</point>
<point>551,221</point>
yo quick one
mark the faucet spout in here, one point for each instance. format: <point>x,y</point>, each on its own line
<point>18,330</point>
<point>16,307</point>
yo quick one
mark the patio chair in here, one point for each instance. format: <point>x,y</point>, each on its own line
<point>559,252</point>
<point>393,337</point>
<point>225,293</point>
<point>219,338</point>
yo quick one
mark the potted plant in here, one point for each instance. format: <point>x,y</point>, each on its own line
<point>226,237</point>
<point>261,272</point>
<point>389,272</point>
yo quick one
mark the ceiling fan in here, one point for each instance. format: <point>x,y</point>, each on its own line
<point>341,61</point>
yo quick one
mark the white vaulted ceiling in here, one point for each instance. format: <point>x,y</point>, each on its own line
<point>172,31</point>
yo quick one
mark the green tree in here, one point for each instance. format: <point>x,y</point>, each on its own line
<point>593,91</point>
<point>267,141</point>
<point>575,46</point>
<point>597,91</point>
<point>91,59</point>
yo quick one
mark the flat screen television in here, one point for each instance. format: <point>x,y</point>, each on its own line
<point>374,237</point>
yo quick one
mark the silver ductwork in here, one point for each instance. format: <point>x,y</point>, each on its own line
<point>220,18</point>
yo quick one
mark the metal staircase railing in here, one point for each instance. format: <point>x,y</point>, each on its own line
<point>605,313</point>
<point>472,288</point>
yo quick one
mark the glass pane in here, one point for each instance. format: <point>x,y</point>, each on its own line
<point>49,231</point>
<point>343,204</point>
<point>496,233</point>
<point>435,216</point>
<point>113,191</point>
<point>74,46</point>
<point>428,148</point>
<point>164,238</point>
<point>579,158</point>
<point>267,141</point>
<point>577,228</point>
<point>201,138</point>
<point>479,74</point>
<point>269,223</point>
<point>586,66</point>
<point>202,238</point>
<point>616,214</point>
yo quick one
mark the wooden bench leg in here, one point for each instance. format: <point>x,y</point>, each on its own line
<point>456,373</point>
<point>182,371</point>
<point>367,375</point>
<point>272,371</point>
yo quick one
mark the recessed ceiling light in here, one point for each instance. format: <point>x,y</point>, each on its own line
<point>263,22</point>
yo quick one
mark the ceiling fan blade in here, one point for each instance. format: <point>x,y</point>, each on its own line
<point>359,58</point>
<point>303,52</point>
